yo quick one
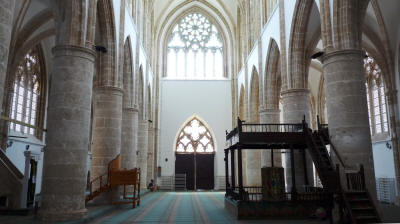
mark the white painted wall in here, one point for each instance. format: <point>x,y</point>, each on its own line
<point>16,154</point>
<point>180,99</point>
<point>383,159</point>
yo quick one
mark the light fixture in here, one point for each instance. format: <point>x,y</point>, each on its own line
<point>100,48</point>
<point>317,55</point>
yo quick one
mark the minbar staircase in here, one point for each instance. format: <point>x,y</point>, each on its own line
<point>358,205</point>
<point>103,186</point>
<point>362,208</point>
<point>114,178</point>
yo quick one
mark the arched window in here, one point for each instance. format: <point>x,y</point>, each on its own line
<point>195,138</point>
<point>26,97</point>
<point>195,49</point>
<point>376,96</point>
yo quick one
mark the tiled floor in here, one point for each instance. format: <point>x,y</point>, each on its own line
<point>164,207</point>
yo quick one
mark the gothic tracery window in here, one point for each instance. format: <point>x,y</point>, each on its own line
<point>194,138</point>
<point>376,96</point>
<point>27,92</point>
<point>195,49</point>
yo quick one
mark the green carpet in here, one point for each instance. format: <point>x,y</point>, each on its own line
<point>162,207</point>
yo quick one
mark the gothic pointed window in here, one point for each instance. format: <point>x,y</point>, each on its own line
<point>195,49</point>
<point>27,93</point>
<point>375,96</point>
<point>195,138</point>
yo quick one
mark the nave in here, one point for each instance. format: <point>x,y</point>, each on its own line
<point>163,207</point>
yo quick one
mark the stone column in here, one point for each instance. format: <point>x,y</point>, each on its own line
<point>106,133</point>
<point>150,153</point>
<point>68,125</point>
<point>253,167</point>
<point>6,24</point>
<point>346,102</point>
<point>296,105</point>
<point>142,151</point>
<point>129,137</point>
<point>270,116</point>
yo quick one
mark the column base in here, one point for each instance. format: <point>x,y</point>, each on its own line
<point>58,216</point>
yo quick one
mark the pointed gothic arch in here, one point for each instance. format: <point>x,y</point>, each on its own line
<point>194,136</point>
<point>128,83</point>
<point>140,93</point>
<point>254,96</point>
<point>107,74</point>
<point>28,95</point>
<point>272,77</point>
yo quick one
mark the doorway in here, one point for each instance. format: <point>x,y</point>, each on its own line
<point>199,170</point>
<point>32,183</point>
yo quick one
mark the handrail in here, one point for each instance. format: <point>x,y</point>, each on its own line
<point>100,178</point>
<point>343,197</point>
<point>337,154</point>
<point>10,165</point>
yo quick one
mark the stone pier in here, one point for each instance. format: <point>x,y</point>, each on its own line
<point>142,151</point>
<point>106,133</point>
<point>68,125</point>
<point>347,108</point>
<point>150,153</point>
<point>296,105</point>
<point>6,24</point>
<point>129,137</point>
<point>270,116</point>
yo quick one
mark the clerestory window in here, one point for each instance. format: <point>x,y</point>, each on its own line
<point>376,96</point>
<point>195,138</point>
<point>27,93</point>
<point>195,49</point>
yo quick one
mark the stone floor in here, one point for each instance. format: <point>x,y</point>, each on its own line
<point>163,207</point>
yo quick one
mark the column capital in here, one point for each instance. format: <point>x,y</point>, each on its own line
<point>115,89</point>
<point>294,92</point>
<point>131,109</point>
<point>269,110</point>
<point>76,51</point>
<point>343,54</point>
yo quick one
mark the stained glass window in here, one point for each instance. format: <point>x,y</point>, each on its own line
<point>27,92</point>
<point>195,49</point>
<point>376,96</point>
<point>194,137</point>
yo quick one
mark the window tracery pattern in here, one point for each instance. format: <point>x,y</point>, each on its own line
<point>195,49</point>
<point>195,138</point>
<point>27,92</point>
<point>376,96</point>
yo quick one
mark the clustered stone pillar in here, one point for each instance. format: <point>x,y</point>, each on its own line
<point>106,133</point>
<point>129,137</point>
<point>6,12</point>
<point>270,116</point>
<point>296,105</point>
<point>347,108</point>
<point>142,152</point>
<point>68,125</point>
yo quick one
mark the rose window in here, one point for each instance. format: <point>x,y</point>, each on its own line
<point>195,49</point>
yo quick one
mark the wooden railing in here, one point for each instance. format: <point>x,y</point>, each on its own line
<point>252,127</point>
<point>10,165</point>
<point>272,128</point>
<point>254,194</point>
<point>355,180</point>
<point>100,182</point>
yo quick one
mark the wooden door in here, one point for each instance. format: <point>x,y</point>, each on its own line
<point>205,171</point>
<point>184,164</point>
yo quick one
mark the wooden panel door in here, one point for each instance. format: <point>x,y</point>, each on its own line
<point>205,171</point>
<point>184,164</point>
